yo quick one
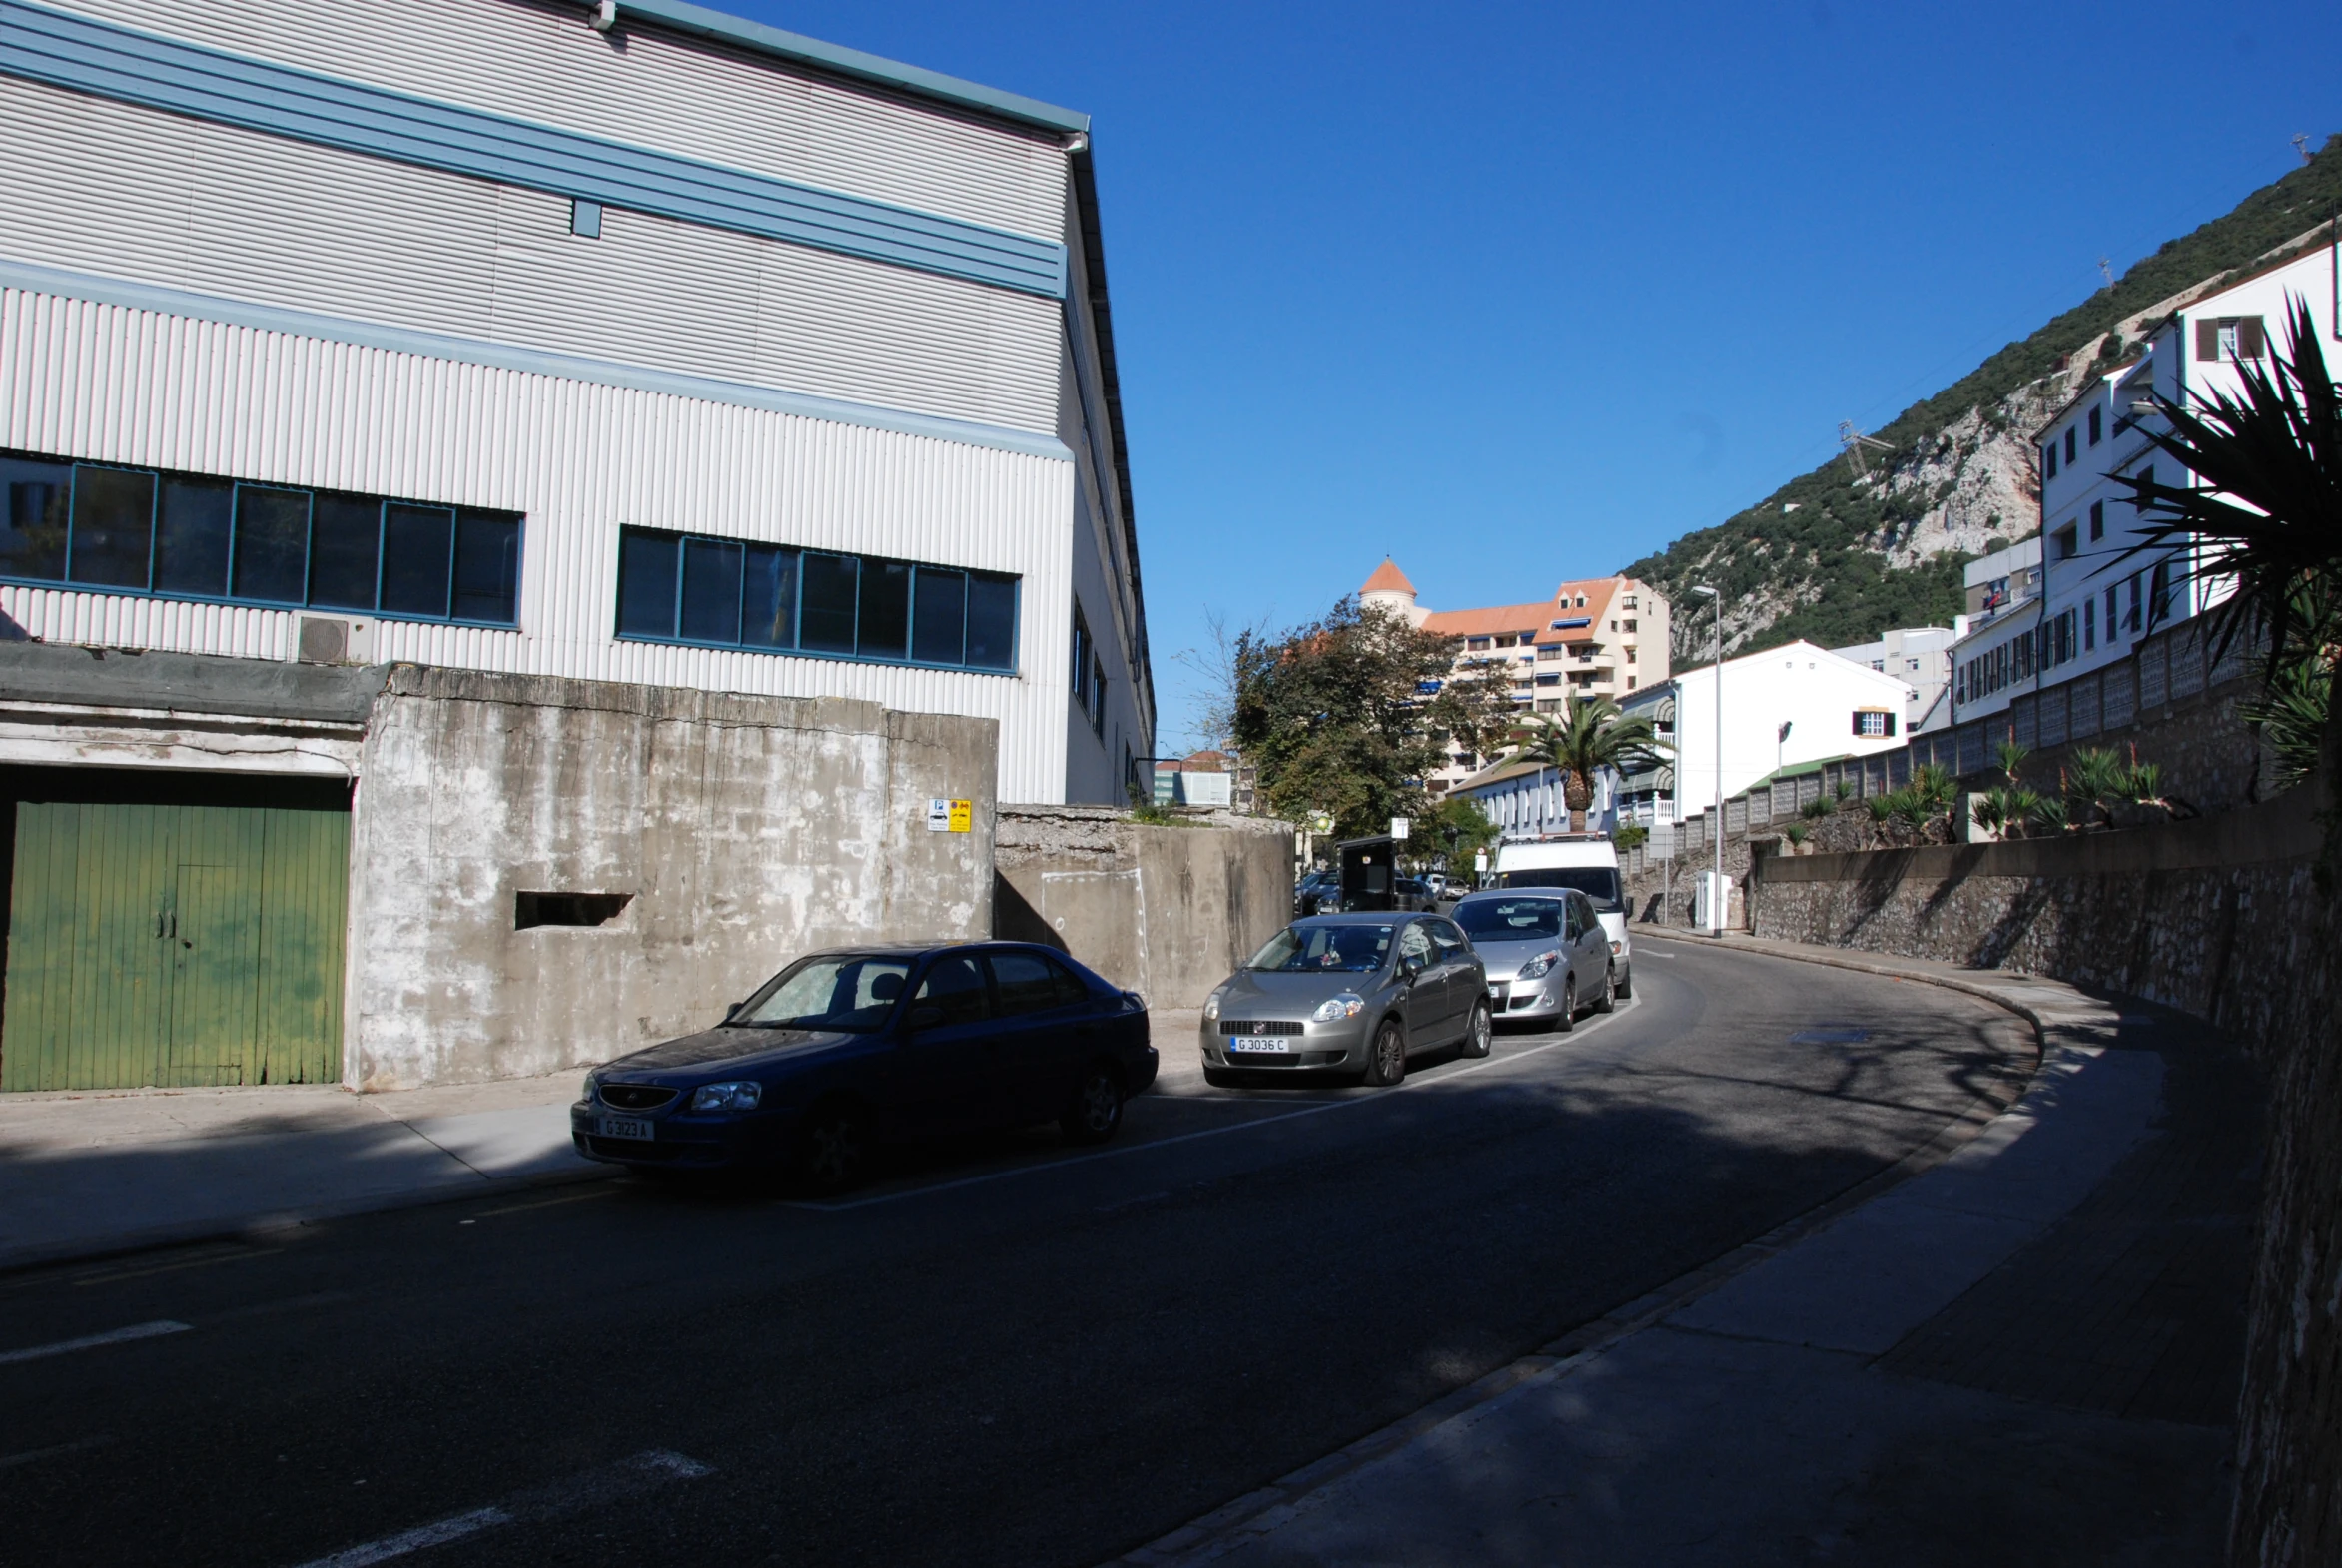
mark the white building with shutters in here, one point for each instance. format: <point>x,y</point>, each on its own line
<point>1788,705</point>
<point>635,343</point>
<point>2097,598</point>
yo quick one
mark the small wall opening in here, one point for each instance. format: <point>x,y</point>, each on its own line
<point>566,909</point>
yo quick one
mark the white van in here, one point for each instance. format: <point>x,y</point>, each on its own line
<point>1586,862</point>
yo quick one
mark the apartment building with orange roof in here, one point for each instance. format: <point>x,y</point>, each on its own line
<point>1601,638</point>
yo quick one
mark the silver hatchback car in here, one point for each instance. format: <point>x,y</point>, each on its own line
<point>1546,952</point>
<point>1354,993</point>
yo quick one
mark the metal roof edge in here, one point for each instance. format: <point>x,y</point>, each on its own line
<point>702,22</point>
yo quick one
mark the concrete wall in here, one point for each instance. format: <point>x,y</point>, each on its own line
<point>748,830</point>
<point>1163,911</point>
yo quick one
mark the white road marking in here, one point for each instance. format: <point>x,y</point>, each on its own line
<point>11,1461</point>
<point>92,1341</point>
<point>415,1540</point>
<point>545,1202</point>
<point>652,1467</point>
<point>1318,1108</point>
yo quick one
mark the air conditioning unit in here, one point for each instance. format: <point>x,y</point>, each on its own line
<point>325,640</point>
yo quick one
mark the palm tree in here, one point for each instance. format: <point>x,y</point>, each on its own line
<point>1596,736</point>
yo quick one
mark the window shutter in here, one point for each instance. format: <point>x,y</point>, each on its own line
<point>2208,339</point>
<point>1858,726</point>
<point>1890,718</point>
<point>2248,337</point>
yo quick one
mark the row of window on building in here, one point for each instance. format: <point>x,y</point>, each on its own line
<point>160,534</point>
<point>2137,605</point>
<point>1089,676</point>
<point>152,532</point>
<point>770,599</point>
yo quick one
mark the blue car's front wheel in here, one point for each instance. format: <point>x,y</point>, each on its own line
<point>834,1151</point>
<point>1096,1110</point>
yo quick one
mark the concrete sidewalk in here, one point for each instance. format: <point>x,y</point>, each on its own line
<point>2026,1353</point>
<point>84,1174</point>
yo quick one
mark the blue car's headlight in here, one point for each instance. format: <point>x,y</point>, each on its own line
<point>1539,965</point>
<point>1346,1005</point>
<point>727,1097</point>
<point>589,1086</point>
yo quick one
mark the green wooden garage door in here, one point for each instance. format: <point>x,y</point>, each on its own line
<point>174,946</point>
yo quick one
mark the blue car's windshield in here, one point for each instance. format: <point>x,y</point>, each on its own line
<point>848,991</point>
<point>1336,949</point>
<point>1509,918</point>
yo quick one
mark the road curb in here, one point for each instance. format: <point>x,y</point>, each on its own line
<point>1220,1531</point>
<point>253,1228</point>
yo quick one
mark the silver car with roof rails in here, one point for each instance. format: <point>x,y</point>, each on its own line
<point>1350,994</point>
<point>1546,952</point>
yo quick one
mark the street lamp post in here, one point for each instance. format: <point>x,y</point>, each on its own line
<point>1715,825</point>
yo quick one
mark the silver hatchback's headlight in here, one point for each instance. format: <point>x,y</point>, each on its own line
<point>1347,1005</point>
<point>1539,965</point>
<point>726,1096</point>
<point>1212,1008</point>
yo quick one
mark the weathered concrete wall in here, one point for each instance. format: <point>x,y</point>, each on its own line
<point>747,829</point>
<point>1165,911</point>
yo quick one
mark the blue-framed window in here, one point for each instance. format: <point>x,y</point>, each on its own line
<point>771,598</point>
<point>152,532</point>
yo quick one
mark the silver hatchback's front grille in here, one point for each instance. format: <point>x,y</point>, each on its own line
<point>1259,1026</point>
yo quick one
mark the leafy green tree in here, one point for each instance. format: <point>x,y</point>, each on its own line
<point>1474,709</point>
<point>1596,736</point>
<point>1333,713</point>
<point>1455,830</point>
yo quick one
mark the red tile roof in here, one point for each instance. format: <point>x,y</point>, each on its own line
<point>1387,579</point>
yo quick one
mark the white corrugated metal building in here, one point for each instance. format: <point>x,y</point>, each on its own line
<point>572,307</point>
<point>529,342</point>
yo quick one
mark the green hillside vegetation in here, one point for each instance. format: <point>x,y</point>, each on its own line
<point>1824,557</point>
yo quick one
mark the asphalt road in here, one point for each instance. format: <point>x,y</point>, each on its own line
<point>1005,1352</point>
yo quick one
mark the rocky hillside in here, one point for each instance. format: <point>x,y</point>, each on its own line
<point>1838,556</point>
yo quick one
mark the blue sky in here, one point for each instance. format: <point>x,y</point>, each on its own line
<point>1520,293</point>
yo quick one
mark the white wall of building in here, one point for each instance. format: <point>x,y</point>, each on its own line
<point>1919,656</point>
<point>1817,693</point>
<point>2097,599</point>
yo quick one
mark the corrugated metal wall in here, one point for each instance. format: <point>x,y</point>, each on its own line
<point>543,63</point>
<point>109,382</point>
<point>135,192</point>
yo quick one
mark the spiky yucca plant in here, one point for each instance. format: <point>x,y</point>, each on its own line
<point>2270,514</point>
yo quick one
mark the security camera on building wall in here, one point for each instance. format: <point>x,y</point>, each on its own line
<point>604,15</point>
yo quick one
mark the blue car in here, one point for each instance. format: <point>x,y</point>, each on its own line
<point>849,1049</point>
